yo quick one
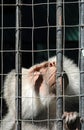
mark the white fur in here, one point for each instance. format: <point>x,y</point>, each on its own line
<point>73,74</point>
<point>33,103</point>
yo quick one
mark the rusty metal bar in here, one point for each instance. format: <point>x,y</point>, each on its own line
<point>59,100</point>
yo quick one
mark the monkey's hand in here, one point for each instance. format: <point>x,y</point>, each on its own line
<point>71,121</point>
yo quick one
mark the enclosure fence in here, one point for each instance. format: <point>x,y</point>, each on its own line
<point>32,31</point>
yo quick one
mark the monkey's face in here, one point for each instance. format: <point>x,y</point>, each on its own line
<point>47,88</point>
<point>39,88</point>
<point>43,79</point>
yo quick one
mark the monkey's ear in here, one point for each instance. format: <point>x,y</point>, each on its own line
<point>65,79</point>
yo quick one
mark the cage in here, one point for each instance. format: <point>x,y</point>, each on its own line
<point>31,32</point>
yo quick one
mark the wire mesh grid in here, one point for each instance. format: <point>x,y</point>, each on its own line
<point>29,36</point>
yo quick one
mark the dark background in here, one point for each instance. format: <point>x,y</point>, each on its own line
<point>40,35</point>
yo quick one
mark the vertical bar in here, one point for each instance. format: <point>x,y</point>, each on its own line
<point>48,121</point>
<point>59,101</point>
<point>32,47</point>
<point>18,101</point>
<point>1,89</point>
<point>81,20</point>
<point>32,32</point>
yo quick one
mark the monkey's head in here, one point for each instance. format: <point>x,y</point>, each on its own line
<point>40,87</point>
<point>44,77</point>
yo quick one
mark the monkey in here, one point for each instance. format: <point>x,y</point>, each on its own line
<point>39,95</point>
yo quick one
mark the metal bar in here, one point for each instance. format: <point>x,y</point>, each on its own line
<point>2,76</point>
<point>33,32</point>
<point>18,101</point>
<point>81,45</point>
<point>59,100</point>
<point>48,44</point>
